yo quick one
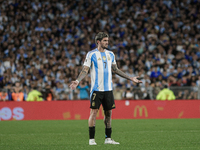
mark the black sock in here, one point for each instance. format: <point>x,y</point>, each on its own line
<point>91,132</point>
<point>108,132</point>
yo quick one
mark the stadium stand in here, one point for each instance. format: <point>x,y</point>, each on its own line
<point>43,45</point>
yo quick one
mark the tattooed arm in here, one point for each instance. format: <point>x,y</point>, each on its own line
<point>122,74</point>
<point>119,72</point>
<point>82,75</point>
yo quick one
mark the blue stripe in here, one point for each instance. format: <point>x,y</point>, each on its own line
<point>105,71</point>
<point>112,58</point>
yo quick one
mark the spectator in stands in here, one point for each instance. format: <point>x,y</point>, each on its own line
<point>17,94</point>
<point>198,81</point>
<point>145,95</point>
<point>165,94</point>
<point>3,95</point>
<point>58,89</point>
<point>118,92</point>
<point>155,73</point>
<point>128,94</point>
<point>192,95</point>
<point>48,93</point>
<point>194,91</point>
<point>25,90</point>
<point>34,95</point>
<point>9,90</point>
<point>180,95</point>
<point>84,90</point>
<point>63,96</point>
<point>186,94</point>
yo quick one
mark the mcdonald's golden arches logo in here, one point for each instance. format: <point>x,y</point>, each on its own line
<point>140,109</point>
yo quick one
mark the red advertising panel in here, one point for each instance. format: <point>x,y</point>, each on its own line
<point>79,109</point>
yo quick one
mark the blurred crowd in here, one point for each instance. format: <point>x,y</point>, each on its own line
<point>44,43</point>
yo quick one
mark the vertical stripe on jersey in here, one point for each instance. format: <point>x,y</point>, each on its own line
<point>105,70</point>
<point>110,72</point>
<point>95,73</point>
<point>112,57</point>
<point>101,72</point>
<point>93,77</point>
<point>93,80</point>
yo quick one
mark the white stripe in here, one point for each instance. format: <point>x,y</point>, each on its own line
<point>100,72</point>
<point>93,77</point>
<point>110,72</point>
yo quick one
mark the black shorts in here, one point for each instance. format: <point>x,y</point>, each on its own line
<point>105,98</point>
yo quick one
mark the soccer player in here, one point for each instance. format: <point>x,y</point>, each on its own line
<point>101,63</point>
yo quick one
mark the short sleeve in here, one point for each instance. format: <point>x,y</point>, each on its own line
<point>87,61</point>
<point>112,55</point>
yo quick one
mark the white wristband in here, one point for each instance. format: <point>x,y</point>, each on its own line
<point>77,81</point>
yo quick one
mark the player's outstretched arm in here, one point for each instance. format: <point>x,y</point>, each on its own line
<point>122,74</point>
<point>82,75</point>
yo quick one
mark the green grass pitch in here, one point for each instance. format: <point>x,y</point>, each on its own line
<point>150,134</point>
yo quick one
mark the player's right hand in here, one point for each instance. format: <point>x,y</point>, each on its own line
<point>73,85</point>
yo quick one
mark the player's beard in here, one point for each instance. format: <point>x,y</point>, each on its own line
<point>105,46</point>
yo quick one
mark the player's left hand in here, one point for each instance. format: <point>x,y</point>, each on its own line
<point>134,79</point>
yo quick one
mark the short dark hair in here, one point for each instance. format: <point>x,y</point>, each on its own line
<point>35,88</point>
<point>165,86</point>
<point>100,36</point>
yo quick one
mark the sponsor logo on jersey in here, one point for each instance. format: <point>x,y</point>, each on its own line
<point>99,58</point>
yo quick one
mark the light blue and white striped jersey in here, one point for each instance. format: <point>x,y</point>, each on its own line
<point>100,69</point>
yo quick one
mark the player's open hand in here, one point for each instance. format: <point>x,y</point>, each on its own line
<point>134,79</point>
<point>73,85</point>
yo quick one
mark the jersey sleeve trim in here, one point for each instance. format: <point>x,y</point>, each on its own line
<point>112,55</point>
